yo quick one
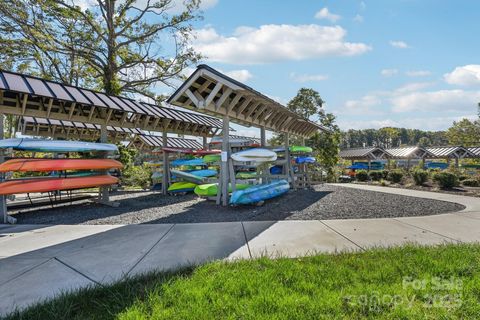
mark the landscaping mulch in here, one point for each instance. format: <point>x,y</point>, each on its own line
<point>323,202</point>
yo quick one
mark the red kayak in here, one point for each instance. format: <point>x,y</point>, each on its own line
<point>53,184</point>
<point>46,165</point>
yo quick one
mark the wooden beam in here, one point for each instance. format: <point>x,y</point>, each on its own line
<point>251,110</point>
<point>212,94</point>
<point>72,110</point>
<point>243,106</point>
<point>222,99</point>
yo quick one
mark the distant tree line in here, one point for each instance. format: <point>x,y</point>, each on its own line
<point>464,132</point>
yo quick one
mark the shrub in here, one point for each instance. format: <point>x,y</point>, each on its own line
<point>376,175</point>
<point>395,176</point>
<point>361,175</point>
<point>471,183</point>
<point>385,174</point>
<point>463,177</point>
<point>420,176</point>
<point>446,180</point>
<point>136,176</point>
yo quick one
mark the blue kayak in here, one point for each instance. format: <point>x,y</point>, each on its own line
<point>276,170</point>
<point>260,192</point>
<point>204,173</point>
<point>301,160</point>
<point>187,162</point>
<point>43,145</point>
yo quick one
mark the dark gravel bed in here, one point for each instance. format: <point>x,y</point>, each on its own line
<point>324,202</point>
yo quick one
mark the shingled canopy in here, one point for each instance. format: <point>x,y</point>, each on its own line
<point>414,152</point>
<point>212,92</point>
<point>151,142</point>
<point>58,129</point>
<point>24,95</point>
<point>371,153</point>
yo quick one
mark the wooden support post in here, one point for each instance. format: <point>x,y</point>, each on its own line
<point>204,143</point>
<point>456,162</point>
<point>288,165</point>
<point>166,169</point>
<point>224,169</point>
<point>263,140</point>
<point>369,164</point>
<point>103,194</point>
<point>3,200</point>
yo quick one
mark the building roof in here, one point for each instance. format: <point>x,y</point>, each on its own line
<point>210,91</point>
<point>25,95</point>
<point>372,153</point>
<point>409,152</point>
<point>451,152</point>
<point>151,142</point>
<point>475,151</point>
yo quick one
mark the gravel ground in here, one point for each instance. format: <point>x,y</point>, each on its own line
<point>324,202</point>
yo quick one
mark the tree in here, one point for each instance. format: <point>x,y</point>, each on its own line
<point>306,103</point>
<point>465,133</point>
<point>424,142</point>
<point>115,46</point>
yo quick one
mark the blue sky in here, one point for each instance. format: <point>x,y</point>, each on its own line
<point>404,63</point>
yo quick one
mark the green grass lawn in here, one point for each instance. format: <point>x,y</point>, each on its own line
<point>400,283</point>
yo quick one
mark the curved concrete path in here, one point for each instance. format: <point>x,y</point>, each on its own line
<point>37,262</point>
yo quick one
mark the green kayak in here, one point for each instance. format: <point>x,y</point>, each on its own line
<point>301,149</point>
<point>181,187</point>
<point>209,158</point>
<point>210,190</point>
<point>246,175</point>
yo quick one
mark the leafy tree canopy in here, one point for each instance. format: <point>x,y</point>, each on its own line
<point>119,47</point>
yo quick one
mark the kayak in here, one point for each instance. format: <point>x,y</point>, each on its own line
<point>157,175</point>
<point>301,160</point>
<point>204,173</point>
<point>211,158</point>
<point>182,186</point>
<point>38,165</point>
<point>246,175</point>
<point>43,145</point>
<point>260,192</point>
<point>255,155</point>
<point>206,152</point>
<point>302,149</point>
<point>187,176</point>
<point>211,189</point>
<point>276,170</point>
<point>187,162</point>
<point>52,184</point>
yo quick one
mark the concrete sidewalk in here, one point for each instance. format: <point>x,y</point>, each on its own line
<point>37,262</point>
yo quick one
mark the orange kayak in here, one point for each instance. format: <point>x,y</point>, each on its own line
<point>59,164</point>
<point>53,184</point>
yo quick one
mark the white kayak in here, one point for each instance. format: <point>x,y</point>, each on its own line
<point>255,155</point>
<point>42,145</point>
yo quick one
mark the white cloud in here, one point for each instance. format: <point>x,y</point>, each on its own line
<point>271,43</point>
<point>414,86</point>
<point>308,77</point>
<point>324,13</point>
<point>468,75</point>
<point>418,73</point>
<point>437,101</point>
<point>430,123</point>
<point>242,75</point>
<point>363,5</point>
<point>388,72</point>
<point>358,18</point>
<point>399,44</point>
<point>410,98</point>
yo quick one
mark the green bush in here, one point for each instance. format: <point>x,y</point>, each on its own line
<point>385,174</point>
<point>463,177</point>
<point>446,180</point>
<point>136,176</point>
<point>376,175</point>
<point>420,176</point>
<point>361,175</point>
<point>395,176</point>
<point>471,183</point>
